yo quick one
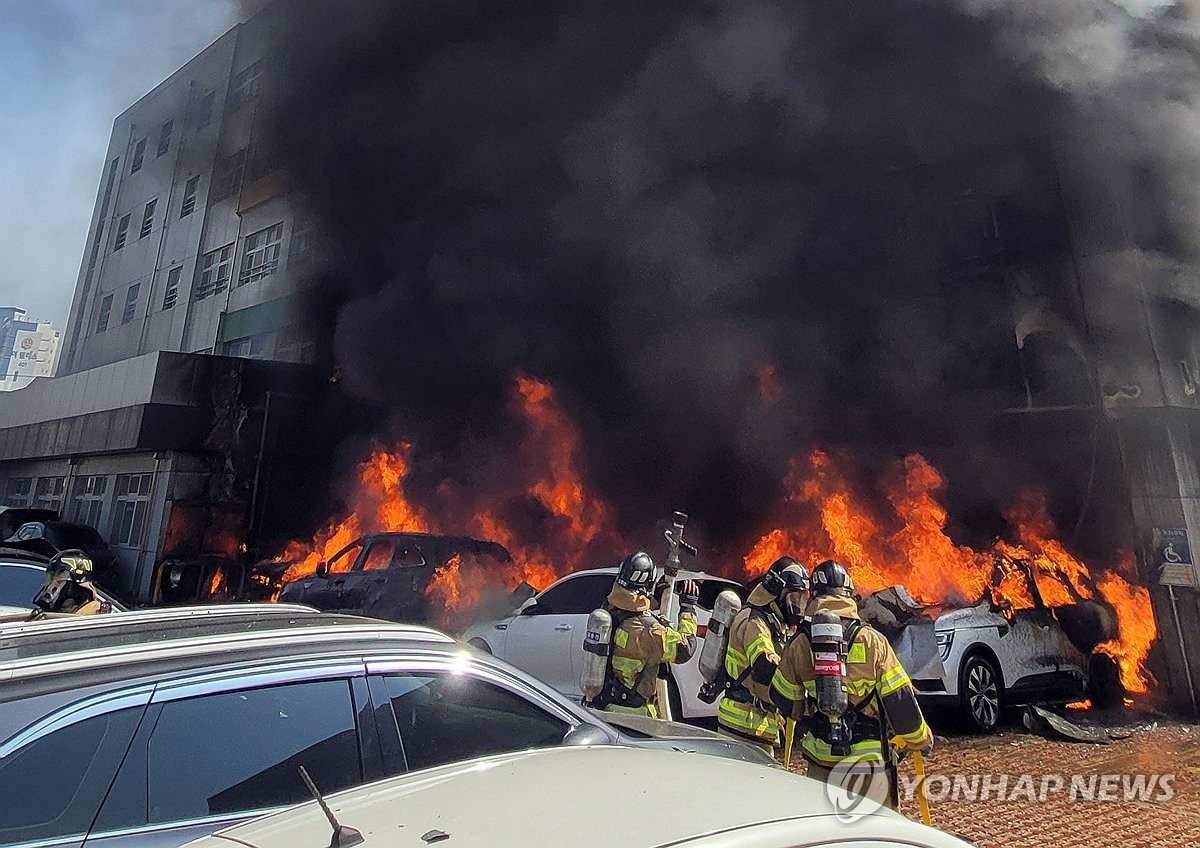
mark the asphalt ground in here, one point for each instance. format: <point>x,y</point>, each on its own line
<point>1003,790</point>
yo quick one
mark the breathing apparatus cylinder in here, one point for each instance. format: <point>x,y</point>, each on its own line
<point>716,639</point>
<point>828,640</point>
<point>597,645</point>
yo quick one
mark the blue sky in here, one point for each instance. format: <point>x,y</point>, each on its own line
<point>69,67</point>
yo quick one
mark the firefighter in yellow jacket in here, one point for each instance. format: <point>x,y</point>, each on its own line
<point>756,639</point>
<point>642,641</point>
<point>882,703</point>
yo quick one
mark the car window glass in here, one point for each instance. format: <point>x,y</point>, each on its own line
<point>53,786</point>
<point>343,560</point>
<point>576,596</point>
<point>379,555</point>
<point>237,751</point>
<point>448,718</point>
<point>18,585</point>
<point>709,589</point>
<point>407,555</point>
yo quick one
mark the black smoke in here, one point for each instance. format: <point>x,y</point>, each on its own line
<point>647,203</point>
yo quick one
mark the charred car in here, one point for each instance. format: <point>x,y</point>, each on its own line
<point>979,660</point>
<point>388,575</point>
<point>47,537</point>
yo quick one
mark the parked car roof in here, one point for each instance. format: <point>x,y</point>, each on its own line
<point>72,633</point>
<point>17,554</point>
<point>40,667</point>
<point>592,794</point>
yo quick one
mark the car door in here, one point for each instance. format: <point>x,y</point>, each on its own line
<point>444,715</point>
<point>213,754</point>
<point>389,581</point>
<point>546,635</point>
<point>324,592</point>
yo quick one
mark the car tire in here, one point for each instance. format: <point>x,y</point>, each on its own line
<point>980,693</point>
<point>476,642</point>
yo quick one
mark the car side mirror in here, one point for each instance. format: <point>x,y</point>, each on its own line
<point>30,532</point>
<point>322,569</point>
<point>586,734</point>
<point>531,607</point>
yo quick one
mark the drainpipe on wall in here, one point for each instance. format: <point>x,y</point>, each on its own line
<point>140,569</point>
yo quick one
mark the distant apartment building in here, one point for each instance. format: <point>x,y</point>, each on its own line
<point>28,349</point>
<point>192,246</point>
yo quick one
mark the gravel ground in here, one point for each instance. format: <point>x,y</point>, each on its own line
<point>1007,817</point>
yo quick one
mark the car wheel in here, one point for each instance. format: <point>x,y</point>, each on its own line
<point>980,692</point>
<point>480,644</point>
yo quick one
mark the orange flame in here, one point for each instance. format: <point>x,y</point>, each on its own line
<point>550,451</point>
<point>909,545</point>
<point>892,530</point>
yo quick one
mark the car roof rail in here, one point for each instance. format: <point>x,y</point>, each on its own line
<point>373,634</point>
<point>157,614</point>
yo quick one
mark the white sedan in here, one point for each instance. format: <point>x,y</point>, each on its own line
<point>588,798</point>
<point>544,636</point>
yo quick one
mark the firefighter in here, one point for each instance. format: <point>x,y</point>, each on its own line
<point>66,588</point>
<point>756,640</point>
<point>879,699</point>
<point>642,642</point>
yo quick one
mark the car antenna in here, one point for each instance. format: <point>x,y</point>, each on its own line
<point>343,836</point>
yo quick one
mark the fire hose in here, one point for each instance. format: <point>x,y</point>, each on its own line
<point>919,770</point>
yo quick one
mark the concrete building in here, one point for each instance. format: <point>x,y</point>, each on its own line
<point>193,249</point>
<point>28,349</point>
<point>192,245</point>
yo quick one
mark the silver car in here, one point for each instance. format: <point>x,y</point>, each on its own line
<point>168,727</point>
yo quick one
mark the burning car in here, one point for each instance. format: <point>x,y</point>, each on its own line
<point>983,658</point>
<point>389,575</point>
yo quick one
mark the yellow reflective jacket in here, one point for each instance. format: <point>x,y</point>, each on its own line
<point>755,640</point>
<point>642,643</point>
<point>874,679</point>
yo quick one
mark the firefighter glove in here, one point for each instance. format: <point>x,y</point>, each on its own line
<point>689,596</point>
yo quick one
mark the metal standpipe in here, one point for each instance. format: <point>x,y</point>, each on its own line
<point>1187,668</point>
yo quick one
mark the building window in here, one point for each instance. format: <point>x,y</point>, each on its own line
<point>139,156</point>
<point>249,347</point>
<point>148,218</point>
<point>88,500</point>
<point>122,232</point>
<point>102,315</point>
<point>49,493</point>
<point>164,138</point>
<point>19,492</point>
<point>261,256</point>
<point>227,176</point>
<point>172,293</point>
<point>189,197</point>
<point>247,85</point>
<point>129,509</point>
<point>215,272</point>
<point>204,110</point>
<point>131,300</point>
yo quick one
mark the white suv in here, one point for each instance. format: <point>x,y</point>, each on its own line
<point>544,636</point>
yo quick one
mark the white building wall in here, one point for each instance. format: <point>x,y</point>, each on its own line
<point>188,322</point>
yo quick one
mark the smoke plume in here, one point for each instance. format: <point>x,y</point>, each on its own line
<point>729,230</point>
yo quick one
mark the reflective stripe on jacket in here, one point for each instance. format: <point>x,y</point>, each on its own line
<point>874,677</point>
<point>752,652</point>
